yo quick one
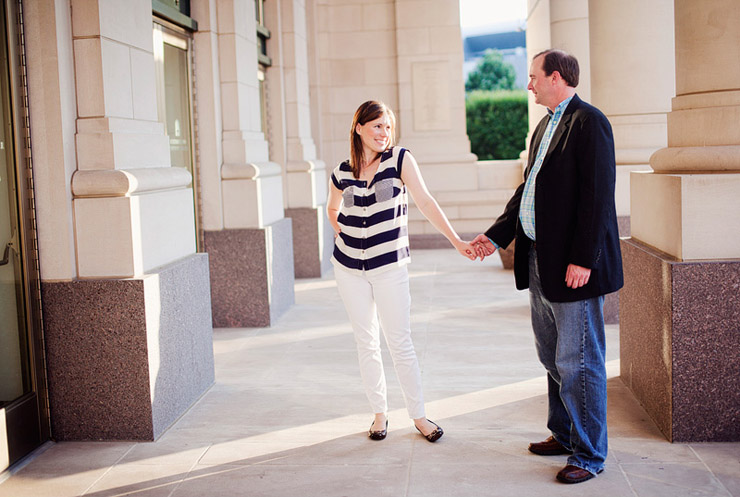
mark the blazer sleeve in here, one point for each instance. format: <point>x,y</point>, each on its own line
<point>596,169</point>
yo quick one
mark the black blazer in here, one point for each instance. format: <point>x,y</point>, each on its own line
<point>575,214</point>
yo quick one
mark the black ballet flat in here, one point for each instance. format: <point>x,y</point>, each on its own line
<point>378,435</point>
<point>435,435</point>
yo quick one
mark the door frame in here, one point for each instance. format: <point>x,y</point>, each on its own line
<point>27,421</point>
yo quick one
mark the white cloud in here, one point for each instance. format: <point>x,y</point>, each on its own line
<point>508,14</point>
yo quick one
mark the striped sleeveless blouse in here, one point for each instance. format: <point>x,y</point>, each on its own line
<point>373,217</point>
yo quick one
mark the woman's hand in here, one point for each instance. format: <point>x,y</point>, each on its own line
<point>466,249</point>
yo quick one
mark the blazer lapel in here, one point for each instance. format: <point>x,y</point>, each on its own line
<point>563,126</point>
<point>534,146</point>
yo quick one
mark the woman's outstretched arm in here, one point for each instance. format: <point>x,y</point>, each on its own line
<point>411,176</point>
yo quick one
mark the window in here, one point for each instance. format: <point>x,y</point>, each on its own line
<point>172,69</point>
<point>263,34</point>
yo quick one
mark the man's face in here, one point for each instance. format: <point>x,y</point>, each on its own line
<point>541,86</point>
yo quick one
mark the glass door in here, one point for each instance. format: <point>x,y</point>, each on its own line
<point>21,414</point>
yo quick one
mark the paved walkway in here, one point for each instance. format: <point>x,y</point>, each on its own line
<point>287,416</point>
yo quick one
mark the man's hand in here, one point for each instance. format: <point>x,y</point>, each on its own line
<point>576,276</point>
<point>483,246</point>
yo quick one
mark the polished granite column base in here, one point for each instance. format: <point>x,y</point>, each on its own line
<point>127,357</point>
<point>313,241</point>
<point>252,275</point>
<point>611,308</point>
<point>611,300</point>
<point>680,342</point>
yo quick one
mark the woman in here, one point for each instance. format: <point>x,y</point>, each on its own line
<point>367,208</point>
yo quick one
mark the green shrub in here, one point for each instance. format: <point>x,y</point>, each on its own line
<point>497,123</point>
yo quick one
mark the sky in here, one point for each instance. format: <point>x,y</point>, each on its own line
<point>476,14</point>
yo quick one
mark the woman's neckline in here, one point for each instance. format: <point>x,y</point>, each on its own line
<point>375,164</point>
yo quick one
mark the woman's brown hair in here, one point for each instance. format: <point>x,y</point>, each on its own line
<point>368,111</point>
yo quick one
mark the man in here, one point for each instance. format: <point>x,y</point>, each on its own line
<point>567,253</point>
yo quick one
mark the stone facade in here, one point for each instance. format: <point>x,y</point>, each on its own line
<point>686,221</point>
<point>120,227</point>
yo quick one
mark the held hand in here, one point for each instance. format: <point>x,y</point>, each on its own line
<point>480,251</point>
<point>483,246</point>
<point>466,249</point>
<point>576,276</point>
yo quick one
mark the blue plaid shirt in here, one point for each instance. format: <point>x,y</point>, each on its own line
<point>526,207</point>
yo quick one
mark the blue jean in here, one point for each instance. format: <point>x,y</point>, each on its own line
<point>570,342</point>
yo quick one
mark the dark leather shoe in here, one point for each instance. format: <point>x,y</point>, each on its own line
<point>435,435</point>
<point>549,447</point>
<point>574,474</point>
<point>378,435</point>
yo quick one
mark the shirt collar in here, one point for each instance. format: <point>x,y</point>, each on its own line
<point>561,106</point>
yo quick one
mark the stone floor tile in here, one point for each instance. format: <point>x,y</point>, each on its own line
<point>169,452</point>
<point>650,451</point>
<point>723,459</point>
<point>262,480</point>
<point>41,484</point>
<point>68,457</point>
<point>240,453</point>
<point>356,449</point>
<point>65,469</point>
<point>506,477</point>
<point>673,480</point>
<point>140,480</point>
<point>626,418</point>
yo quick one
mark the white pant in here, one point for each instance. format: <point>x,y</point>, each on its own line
<point>385,296</point>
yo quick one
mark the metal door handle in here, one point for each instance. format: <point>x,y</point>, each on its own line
<point>6,255</point>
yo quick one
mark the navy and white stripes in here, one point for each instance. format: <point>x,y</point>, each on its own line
<point>373,217</point>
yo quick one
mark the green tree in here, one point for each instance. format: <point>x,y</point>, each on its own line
<point>491,73</point>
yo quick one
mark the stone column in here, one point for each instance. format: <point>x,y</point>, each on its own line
<point>127,321</point>
<point>250,242</point>
<point>353,47</point>
<point>630,43</point>
<point>561,24</point>
<point>680,306</point>
<point>290,137</point>
<point>431,93</point>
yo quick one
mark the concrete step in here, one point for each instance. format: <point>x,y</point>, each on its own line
<point>475,197</point>
<point>461,226</point>
<point>478,211</point>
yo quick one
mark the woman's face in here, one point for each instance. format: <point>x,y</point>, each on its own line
<point>375,135</point>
